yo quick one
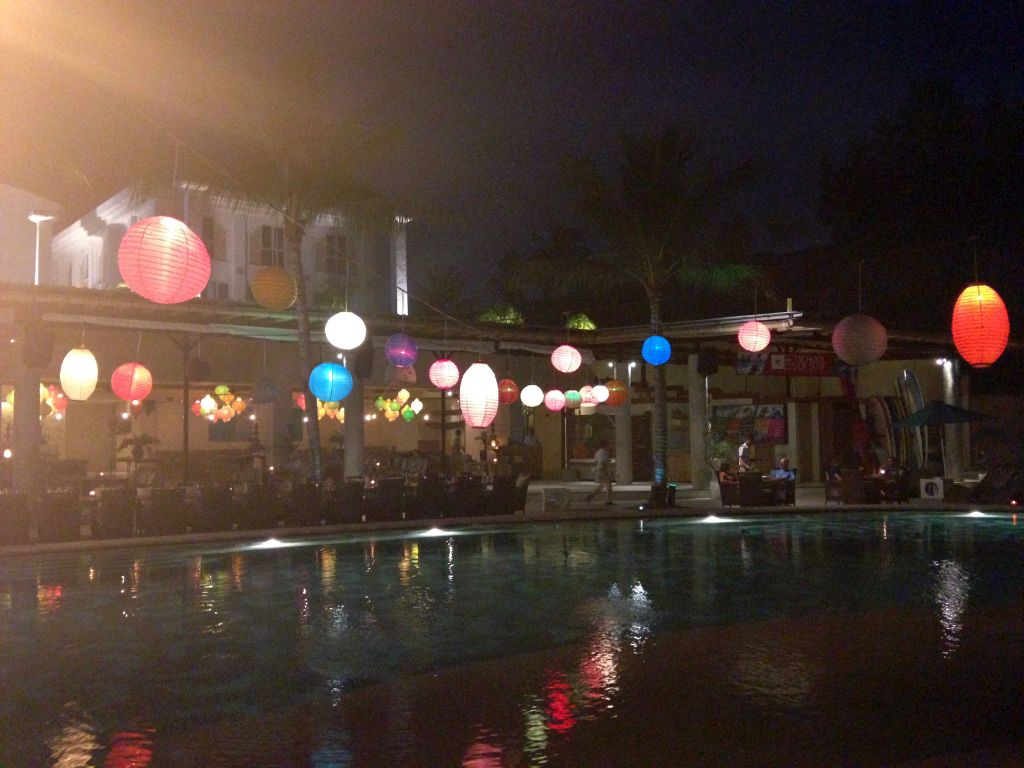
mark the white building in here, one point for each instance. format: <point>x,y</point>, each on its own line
<point>241,240</point>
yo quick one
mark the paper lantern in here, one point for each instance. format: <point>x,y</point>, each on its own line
<point>330,382</point>
<point>207,405</point>
<point>390,415</point>
<point>617,393</point>
<point>443,373</point>
<point>60,402</point>
<point>131,381</point>
<point>478,395</point>
<point>400,350</point>
<point>531,396</point>
<point>600,393</point>
<point>239,405</point>
<point>981,326</point>
<point>78,374</point>
<point>222,389</point>
<point>656,350</point>
<point>588,409</point>
<point>300,401</point>
<point>403,396</point>
<point>345,330</point>
<point>754,336</point>
<point>859,339</point>
<point>163,260</point>
<point>566,359</point>
<point>197,369</point>
<point>587,396</point>
<point>394,405</point>
<point>416,405</point>
<point>197,408</point>
<point>274,288</point>
<point>508,391</point>
<point>379,402</point>
<point>573,400</point>
<point>554,400</point>
<point>408,413</point>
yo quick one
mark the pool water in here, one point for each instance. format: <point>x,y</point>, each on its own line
<point>841,639</point>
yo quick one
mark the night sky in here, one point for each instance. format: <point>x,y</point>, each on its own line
<point>484,98</point>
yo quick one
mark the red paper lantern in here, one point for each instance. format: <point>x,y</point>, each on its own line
<point>754,336</point>
<point>508,391</point>
<point>131,381</point>
<point>274,288</point>
<point>478,395</point>
<point>981,326</point>
<point>617,393</point>
<point>163,260</point>
<point>554,400</point>
<point>197,408</point>
<point>566,358</point>
<point>443,373</point>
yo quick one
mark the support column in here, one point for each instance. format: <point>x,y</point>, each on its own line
<point>26,437</point>
<point>354,430</point>
<point>624,442</point>
<point>696,386</point>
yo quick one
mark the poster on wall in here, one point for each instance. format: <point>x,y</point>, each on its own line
<point>766,422</point>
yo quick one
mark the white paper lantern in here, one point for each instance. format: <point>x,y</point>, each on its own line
<point>531,396</point>
<point>417,406</point>
<point>478,395</point>
<point>859,339</point>
<point>345,330</point>
<point>78,374</point>
<point>600,393</point>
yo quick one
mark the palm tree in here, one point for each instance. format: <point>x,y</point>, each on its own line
<point>656,223</point>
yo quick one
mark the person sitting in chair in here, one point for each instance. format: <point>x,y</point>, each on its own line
<point>783,472</point>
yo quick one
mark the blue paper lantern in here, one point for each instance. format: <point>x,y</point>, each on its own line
<point>656,350</point>
<point>400,350</point>
<point>330,382</point>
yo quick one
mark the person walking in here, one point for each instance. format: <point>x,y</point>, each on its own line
<point>602,473</point>
<point>743,457</point>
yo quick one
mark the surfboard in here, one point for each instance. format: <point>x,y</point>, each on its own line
<point>881,434</point>
<point>909,390</point>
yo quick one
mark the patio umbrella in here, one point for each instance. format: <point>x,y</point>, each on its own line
<point>937,414</point>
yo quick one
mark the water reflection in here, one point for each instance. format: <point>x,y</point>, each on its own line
<point>75,741</point>
<point>130,749</point>
<point>772,674</point>
<point>950,590</point>
<point>483,753</point>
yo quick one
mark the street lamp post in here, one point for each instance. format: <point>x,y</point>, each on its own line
<point>38,219</point>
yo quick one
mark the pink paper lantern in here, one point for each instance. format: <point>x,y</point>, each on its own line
<point>587,396</point>
<point>554,400</point>
<point>566,359</point>
<point>754,336</point>
<point>163,260</point>
<point>478,395</point>
<point>443,373</point>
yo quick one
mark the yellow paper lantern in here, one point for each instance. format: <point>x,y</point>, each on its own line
<point>274,288</point>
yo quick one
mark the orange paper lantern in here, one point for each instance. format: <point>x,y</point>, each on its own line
<point>274,288</point>
<point>981,326</point>
<point>163,260</point>
<point>617,393</point>
<point>131,381</point>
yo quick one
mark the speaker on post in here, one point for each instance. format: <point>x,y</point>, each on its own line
<point>36,346</point>
<point>707,361</point>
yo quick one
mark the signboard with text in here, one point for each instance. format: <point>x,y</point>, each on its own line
<point>780,364</point>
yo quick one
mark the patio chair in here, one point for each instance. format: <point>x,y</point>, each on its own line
<point>502,496</point>
<point>115,513</point>
<point>14,519</point>
<point>60,517</point>
<point>431,499</point>
<point>390,501</point>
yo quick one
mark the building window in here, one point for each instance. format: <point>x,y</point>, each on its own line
<point>271,250</point>
<point>334,255</point>
<point>209,236</point>
<point>216,290</point>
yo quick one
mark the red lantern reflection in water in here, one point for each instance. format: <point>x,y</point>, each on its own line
<point>560,710</point>
<point>130,749</point>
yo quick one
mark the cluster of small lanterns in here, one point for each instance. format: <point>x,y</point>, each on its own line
<point>399,406</point>
<point>52,402</point>
<point>222,405</point>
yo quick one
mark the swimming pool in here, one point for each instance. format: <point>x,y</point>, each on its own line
<point>860,638</point>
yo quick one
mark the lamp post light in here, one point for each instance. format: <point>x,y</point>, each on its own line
<point>38,219</point>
